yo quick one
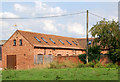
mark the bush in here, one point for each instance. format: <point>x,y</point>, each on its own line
<point>81,65</point>
<point>98,65</point>
<point>64,64</point>
<point>90,64</point>
<point>55,64</point>
<point>69,64</point>
<point>82,57</point>
<point>86,65</point>
<point>111,65</point>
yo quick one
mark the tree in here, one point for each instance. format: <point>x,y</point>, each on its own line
<point>114,55</point>
<point>106,33</point>
<point>93,54</point>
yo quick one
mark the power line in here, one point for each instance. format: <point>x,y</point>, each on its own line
<point>47,16</point>
<point>54,16</point>
<point>98,16</point>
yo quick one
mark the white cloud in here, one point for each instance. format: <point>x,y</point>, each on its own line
<point>49,25</point>
<point>76,28</point>
<point>7,28</point>
<point>61,26</point>
<point>3,24</point>
<point>19,8</point>
<point>39,9</point>
<point>45,9</point>
<point>8,15</point>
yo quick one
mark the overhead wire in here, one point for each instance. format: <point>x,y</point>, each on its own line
<point>46,16</point>
<point>99,16</point>
<point>62,15</point>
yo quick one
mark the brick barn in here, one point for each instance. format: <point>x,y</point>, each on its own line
<point>25,49</point>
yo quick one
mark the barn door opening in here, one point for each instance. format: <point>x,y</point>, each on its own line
<point>11,61</point>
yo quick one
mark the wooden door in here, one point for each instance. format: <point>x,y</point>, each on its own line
<point>11,61</point>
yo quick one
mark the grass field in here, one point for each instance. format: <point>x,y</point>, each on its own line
<point>0,75</point>
<point>62,74</point>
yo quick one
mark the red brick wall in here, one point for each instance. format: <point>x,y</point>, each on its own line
<point>104,51</point>
<point>55,52</point>
<point>104,60</point>
<point>73,55</point>
<point>0,64</point>
<point>24,53</point>
<point>73,59</point>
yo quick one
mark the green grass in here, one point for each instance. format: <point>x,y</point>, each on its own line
<point>62,74</point>
<point>0,76</point>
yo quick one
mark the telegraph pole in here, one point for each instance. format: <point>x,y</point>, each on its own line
<point>87,38</point>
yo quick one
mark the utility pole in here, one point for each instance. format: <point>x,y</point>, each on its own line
<point>87,38</point>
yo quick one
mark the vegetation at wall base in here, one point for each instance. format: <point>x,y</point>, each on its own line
<point>65,64</point>
<point>69,64</point>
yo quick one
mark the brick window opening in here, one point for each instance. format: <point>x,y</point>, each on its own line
<point>14,43</point>
<point>38,59</point>
<point>20,42</point>
<point>59,55</point>
<point>67,54</point>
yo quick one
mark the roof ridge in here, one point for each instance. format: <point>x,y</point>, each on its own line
<point>34,42</point>
<point>48,34</point>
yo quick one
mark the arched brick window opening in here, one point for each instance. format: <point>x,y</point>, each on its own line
<point>20,42</point>
<point>14,42</point>
<point>48,58</point>
<point>38,59</point>
<point>59,55</point>
<point>67,54</point>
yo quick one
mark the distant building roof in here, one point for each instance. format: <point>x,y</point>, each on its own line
<point>83,42</point>
<point>2,42</point>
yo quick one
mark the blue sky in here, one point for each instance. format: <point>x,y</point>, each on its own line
<point>71,26</point>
